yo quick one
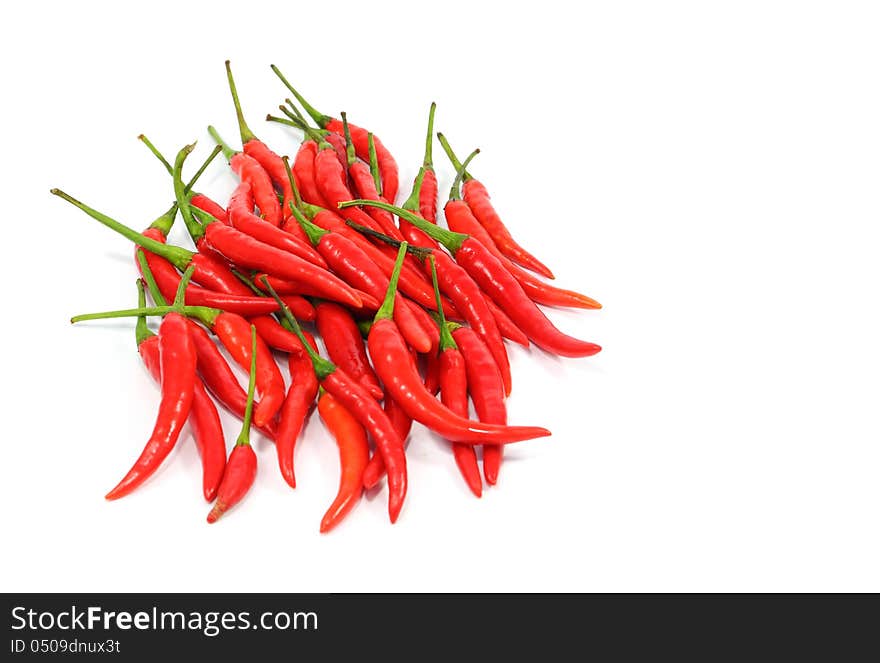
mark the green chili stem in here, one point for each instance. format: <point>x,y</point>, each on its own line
<point>454,192</point>
<point>297,198</point>
<point>194,228</point>
<point>387,309</point>
<point>323,367</point>
<point>180,295</point>
<point>205,314</point>
<point>420,252</point>
<point>312,231</point>
<point>228,152</point>
<point>446,340</point>
<point>374,163</point>
<point>150,280</point>
<point>428,163</point>
<point>321,119</point>
<point>180,257</point>
<point>411,204</point>
<point>248,282</point>
<point>350,155</point>
<point>449,153</point>
<point>155,151</point>
<point>165,222</point>
<point>207,162</point>
<point>244,436</point>
<point>244,129</point>
<point>451,240</point>
<point>141,331</point>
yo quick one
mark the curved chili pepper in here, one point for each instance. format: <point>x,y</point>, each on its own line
<point>241,468</point>
<point>506,326</point>
<point>354,452</point>
<point>203,418</point>
<point>487,392</point>
<point>494,279</point>
<point>345,345</point>
<point>207,205</point>
<point>289,289</point>
<point>387,164</point>
<point>276,336</point>
<point>304,170</point>
<point>403,383</point>
<point>477,198</point>
<point>177,360</point>
<point>364,184</point>
<point>252,173</point>
<point>242,218</point>
<point>299,400</point>
<point>355,267</point>
<point>358,401</point>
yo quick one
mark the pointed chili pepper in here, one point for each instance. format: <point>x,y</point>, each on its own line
<point>354,451</point>
<point>486,390</point>
<point>233,332</point>
<point>366,410</point>
<point>460,217</point>
<point>477,198</point>
<point>506,327</point>
<point>203,418</point>
<point>453,383</point>
<point>345,345</point>
<point>494,279</point>
<point>402,382</point>
<point>297,404</point>
<point>209,206</point>
<point>177,368</point>
<point>387,165</point>
<point>241,468</point>
<point>255,176</point>
<point>365,186</point>
<point>296,119</point>
<point>210,362</point>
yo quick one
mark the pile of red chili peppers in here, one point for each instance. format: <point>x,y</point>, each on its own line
<point>406,310</point>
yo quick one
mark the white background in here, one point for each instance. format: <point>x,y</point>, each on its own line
<point>709,171</point>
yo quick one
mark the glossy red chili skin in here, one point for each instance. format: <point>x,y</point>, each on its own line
<point>356,269</point>
<point>432,373</point>
<point>415,236</point>
<point>477,198</point>
<point>506,291</point>
<point>247,252</point>
<point>365,186</point>
<point>276,336</point>
<point>292,293</point>
<point>487,392</point>
<point>428,196</point>
<point>372,417</point>
<point>387,164</point>
<point>345,345</point>
<point>177,361</point>
<point>242,218</point>
<point>241,470</point>
<point>506,326</point>
<point>211,207</point>
<point>304,174</point>
<point>331,179</point>
<point>457,284</point>
<point>354,452</point>
<point>274,166</point>
<point>403,383</point>
<point>203,420</point>
<point>219,378</point>
<point>234,332</point>
<point>250,171</point>
<point>297,405</point>
<point>454,395</point>
<point>337,142</point>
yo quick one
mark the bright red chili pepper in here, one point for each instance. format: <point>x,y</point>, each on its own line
<point>387,164</point>
<point>299,400</point>
<point>428,190</point>
<point>354,452</point>
<point>506,326</point>
<point>207,205</point>
<point>358,401</point>
<point>304,171</point>
<point>292,288</point>
<point>345,345</point>
<point>241,468</point>
<point>477,198</point>
<point>177,360</point>
<point>487,392</point>
<point>252,173</point>
<point>203,418</point>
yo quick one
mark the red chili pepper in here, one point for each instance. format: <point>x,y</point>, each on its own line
<point>241,468</point>
<point>356,269</point>
<point>177,361</point>
<point>506,326</point>
<point>362,178</point>
<point>428,191</point>
<point>494,279</point>
<point>304,170</point>
<point>345,345</point>
<point>386,346</point>
<point>358,401</point>
<point>477,198</point>
<point>487,392</point>
<point>207,205</point>
<point>242,218</point>
<point>300,397</point>
<point>289,288</point>
<point>453,383</point>
<point>203,418</point>
<point>387,164</point>
<point>354,452</point>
